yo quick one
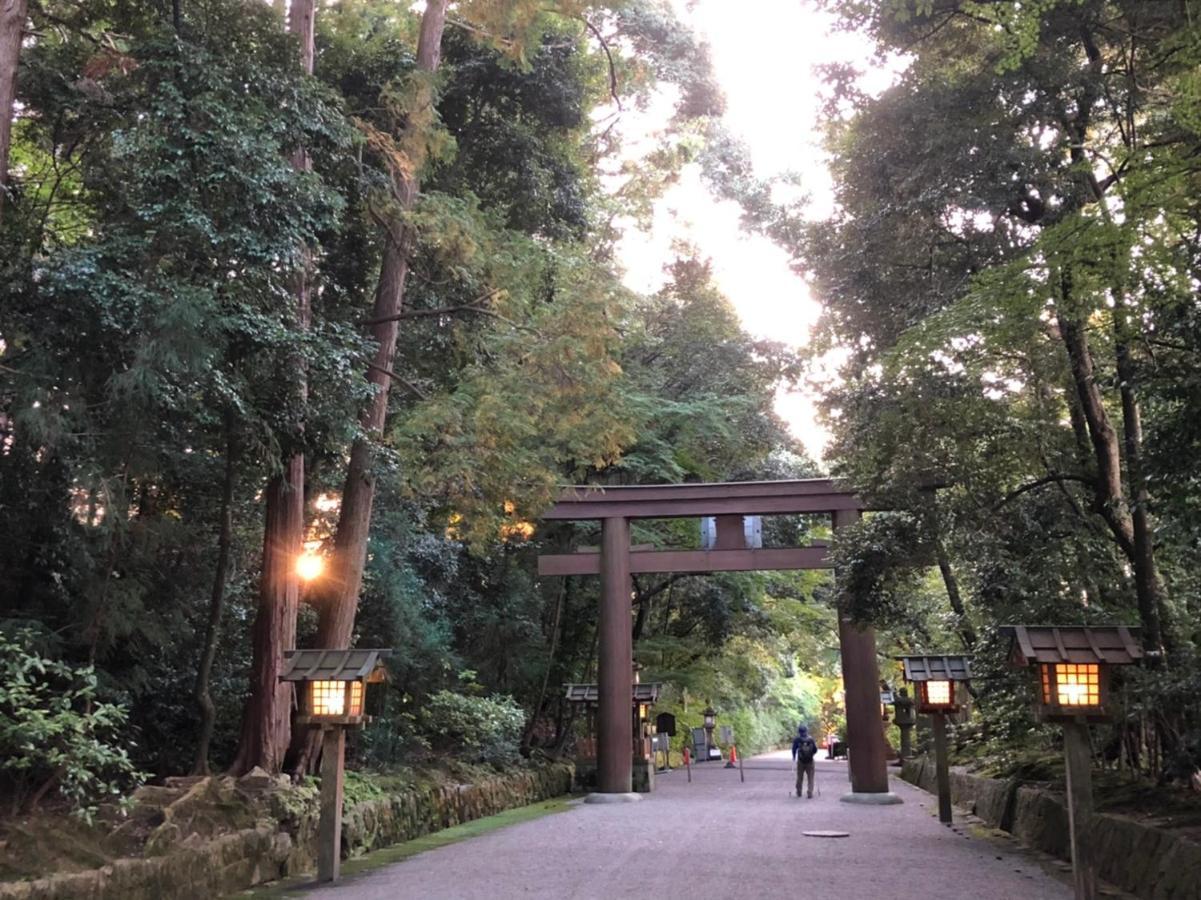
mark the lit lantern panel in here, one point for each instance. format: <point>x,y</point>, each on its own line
<point>938,693</point>
<point>329,698</point>
<point>1075,684</point>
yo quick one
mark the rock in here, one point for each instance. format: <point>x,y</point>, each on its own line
<point>183,782</point>
<point>256,781</point>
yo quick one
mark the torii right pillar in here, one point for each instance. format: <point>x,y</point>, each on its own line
<point>861,687</point>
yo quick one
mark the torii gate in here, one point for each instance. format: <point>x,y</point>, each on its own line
<point>728,502</point>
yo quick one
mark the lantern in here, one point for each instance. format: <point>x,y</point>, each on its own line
<point>710,715</point>
<point>936,678</point>
<point>332,687</point>
<point>332,684</point>
<point>1073,667</point>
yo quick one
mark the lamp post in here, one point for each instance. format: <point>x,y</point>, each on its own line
<point>710,715</point>
<point>1073,667</point>
<point>936,679</point>
<point>333,688</point>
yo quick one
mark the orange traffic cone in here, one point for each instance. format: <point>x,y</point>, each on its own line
<point>733,760</point>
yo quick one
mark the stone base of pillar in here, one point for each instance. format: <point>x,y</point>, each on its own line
<point>613,798</point>
<point>886,798</point>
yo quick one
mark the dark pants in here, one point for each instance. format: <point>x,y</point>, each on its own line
<point>803,769</point>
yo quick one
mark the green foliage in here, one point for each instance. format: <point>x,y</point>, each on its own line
<point>990,205</point>
<point>485,729</point>
<point>148,275</point>
<point>56,736</point>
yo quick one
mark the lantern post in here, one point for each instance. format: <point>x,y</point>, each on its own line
<point>332,694</point>
<point>937,680</point>
<point>1073,666</point>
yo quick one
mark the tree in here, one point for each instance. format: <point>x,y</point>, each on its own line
<point>12,33</point>
<point>1015,218</point>
<point>267,721</point>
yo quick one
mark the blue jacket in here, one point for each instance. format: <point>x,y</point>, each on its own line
<point>803,739</point>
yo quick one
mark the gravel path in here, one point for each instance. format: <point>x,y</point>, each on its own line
<point>717,837</point>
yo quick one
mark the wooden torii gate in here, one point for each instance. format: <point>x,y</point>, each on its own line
<point>728,502</point>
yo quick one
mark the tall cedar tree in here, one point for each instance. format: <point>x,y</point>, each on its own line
<point>267,720</point>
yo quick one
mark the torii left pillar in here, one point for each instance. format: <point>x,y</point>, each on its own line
<point>861,688</point>
<point>614,764</point>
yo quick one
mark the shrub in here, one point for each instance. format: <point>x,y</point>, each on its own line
<point>56,736</point>
<point>486,729</point>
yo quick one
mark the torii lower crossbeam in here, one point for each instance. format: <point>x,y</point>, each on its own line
<point>728,502</point>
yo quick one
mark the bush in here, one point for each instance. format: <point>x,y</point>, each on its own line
<point>56,736</point>
<point>484,729</point>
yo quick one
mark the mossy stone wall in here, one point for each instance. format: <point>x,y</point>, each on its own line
<point>1147,861</point>
<point>283,840</point>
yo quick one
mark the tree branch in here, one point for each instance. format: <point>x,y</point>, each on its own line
<point>412,387</point>
<point>1054,478</point>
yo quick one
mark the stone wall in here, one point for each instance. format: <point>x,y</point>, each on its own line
<point>1147,861</point>
<point>282,841</point>
<point>402,817</point>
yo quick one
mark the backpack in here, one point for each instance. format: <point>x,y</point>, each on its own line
<point>806,751</point>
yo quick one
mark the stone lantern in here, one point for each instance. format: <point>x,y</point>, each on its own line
<point>710,719</point>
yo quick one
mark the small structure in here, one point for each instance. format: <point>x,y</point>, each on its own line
<point>1074,665</point>
<point>642,701</point>
<point>710,719</point>
<point>906,718</point>
<point>937,680</point>
<point>332,695</point>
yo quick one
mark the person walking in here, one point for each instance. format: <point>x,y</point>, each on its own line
<point>804,753</point>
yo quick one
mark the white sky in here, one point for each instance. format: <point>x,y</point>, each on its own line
<point>764,53</point>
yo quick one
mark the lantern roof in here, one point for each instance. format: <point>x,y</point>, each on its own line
<point>333,665</point>
<point>1108,644</point>
<point>647,692</point>
<point>937,667</point>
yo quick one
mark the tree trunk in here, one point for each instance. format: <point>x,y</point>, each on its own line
<point>1146,576</point>
<point>338,597</point>
<point>12,30</point>
<point>204,700</point>
<point>967,633</point>
<point>267,720</point>
<point>267,723</point>
<point>564,592</point>
<point>1109,496</point>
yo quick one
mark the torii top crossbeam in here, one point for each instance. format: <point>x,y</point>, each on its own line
<point>727,502</point>
<point>667,501</point>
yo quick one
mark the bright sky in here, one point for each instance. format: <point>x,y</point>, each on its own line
<point>765,56</point>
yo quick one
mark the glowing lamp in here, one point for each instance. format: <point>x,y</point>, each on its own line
<point>935,679</point>
<point>336,698</point>
<point>710,715</point>
<point>332,684</point>
<point>1074,665</point>
<point>309,566</point>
